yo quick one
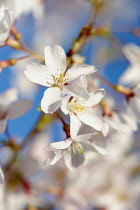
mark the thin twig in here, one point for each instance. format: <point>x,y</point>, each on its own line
<point>104,80</point>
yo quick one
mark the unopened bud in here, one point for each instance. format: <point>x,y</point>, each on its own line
<point>103,31</point>
<point>124,90</point>
<point>4,64</point>
<point>15,147</point>
<point>13,61</point>
<point>12,43</point>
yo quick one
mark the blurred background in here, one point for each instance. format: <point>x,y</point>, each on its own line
<point>110,183</point>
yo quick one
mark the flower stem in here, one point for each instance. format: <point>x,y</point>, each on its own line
<point>32,54</point>
<point>104,80</point>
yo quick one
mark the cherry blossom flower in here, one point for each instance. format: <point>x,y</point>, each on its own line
<point>10,108</point>
<point>55,76</point>
<point>5,25</point>
<point>32,6</point>
<point>83,111</point>
<point>122,121</point>
<point>131,75</point>
<point>73,150</point>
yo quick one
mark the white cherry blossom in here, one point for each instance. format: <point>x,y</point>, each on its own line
<point>55,76</point>
<point>83,111</point>
<point>122,121</point>
<point>131,75</point>
<point>32,6</point>
<point>73,150</point>
<point>10,108</point>
<point>5,25</point>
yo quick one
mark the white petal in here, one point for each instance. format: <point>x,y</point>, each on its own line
<point>60,145</point>
<point>67,159</point>
<point>77,159</point>
<point>64,106</point>
<point>92,118</point>
<point>101,150</point>
<point>132,52</point>
<point>6,20</point>
<point>5,25</point>
<point>1,176</point>
<point>136,90</point>
<point>77,87</point>
<point>86,129</point>
<point>77,71</point>
<point>131,75</point>
<point>55,58</point>
<point>37,73</point>
<point>74,125</point>
<point>19,108</point>
<point>3,124</point>
<point>56,158</point>
<point>51,100</point>
<point>87,146</point>
<point>9,96</point>
<point>135,107</point>
<point>84,137</point>
<point>95,98</point>
<point>105,129</point>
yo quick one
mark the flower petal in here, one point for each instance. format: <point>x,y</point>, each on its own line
<point>134,106</point>
<point>105,129</point>
<point>74,125</point>
<point>84,137</point>
<point>19,108</point>
<point>60,145</point>
<point>76,71</point>
<point>1,176</point>
<point>51,100</point>
<point>67,159</point>
<point>101,150</point>
<point>131,75</point>
<point>57,157</point>
<point>77,88</point>
<point>136,90</point>
<point>64,106</point>
<point>77,159</point>
<point>3,124</point>
<point>5,25</point>
<point>9,96</point>
<point>86,129</point>
<point>37,73</point>
<point>132,52</point>
<point>55,59</point>
<point>54,158</point>
<point>95,98</point>
<point>92,118</point>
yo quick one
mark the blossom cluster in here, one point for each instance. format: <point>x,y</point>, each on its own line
<point>67,88</point>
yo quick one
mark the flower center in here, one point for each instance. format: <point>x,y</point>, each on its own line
<point>77,107</point>
<point>59,79</point>
<point>76,147</point>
